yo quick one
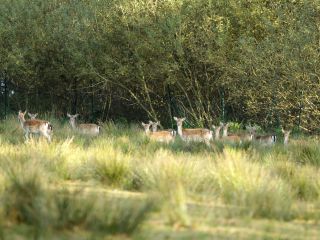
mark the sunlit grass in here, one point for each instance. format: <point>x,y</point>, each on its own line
<point>183,185</point>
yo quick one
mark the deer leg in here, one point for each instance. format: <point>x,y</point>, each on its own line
<point>26,135</point>
<point>47,135</point>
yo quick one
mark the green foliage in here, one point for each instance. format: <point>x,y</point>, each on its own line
<point>234,60</point>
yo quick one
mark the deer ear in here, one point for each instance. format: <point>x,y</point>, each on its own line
<point>25,112</point>
<point>143,124</point>
<point>175,118</point>
<point>29,114</point>
<point>213,126</point>
<point>36,114</point>
<point>183,119</point>
<point>68,115</point>
<point>150,122</point>
<point>158,123</point>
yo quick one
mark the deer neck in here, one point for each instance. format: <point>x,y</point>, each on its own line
<point>147,131</point>
<point>22,121</point>
<point>217,133</point>
<point>225,131</point>
<point>286,139</point>
<point>73,124</point>
<point>180,130</point>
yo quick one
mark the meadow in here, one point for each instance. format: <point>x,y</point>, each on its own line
<point>121,185</point>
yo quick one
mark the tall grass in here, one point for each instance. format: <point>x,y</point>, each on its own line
<point>26,200</point>
<point>251,186</point>
<point>179,183</point>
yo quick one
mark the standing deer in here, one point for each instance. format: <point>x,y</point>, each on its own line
<point>266,139</point>
<point>160,136</point>
<point>32,116</point>
<point>286,135</point>
<point>238,137</point>
<point>229,137</point>
<point>195,134</point>
<point>154,127</point>
<point>84,128</point>
<point>35,126</point>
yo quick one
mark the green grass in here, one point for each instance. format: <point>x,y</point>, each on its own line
<point>121,185</point>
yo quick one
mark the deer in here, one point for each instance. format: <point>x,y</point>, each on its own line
<point>267,139</point>
<point>84,128</point>
<point>154,127</point>
<point>160,136</point>
<point>35,126</point>
<point>32,116</point>
<point>286,134</point>
<point>229,137</point>
<point>242,137</point>
<point>195,134</point>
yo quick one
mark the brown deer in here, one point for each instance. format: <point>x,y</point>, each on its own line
<point>35,126</point>
<point>229,137</point>
<point>267,139</point>
<point>195,134</point>
<point>160,136</point>
<point>84,128</point>
<point>154,127</point>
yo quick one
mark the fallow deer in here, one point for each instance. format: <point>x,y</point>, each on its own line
<point>160,136</point>
<point>229,137</point>
<point>195,134</point>
<point>241,137</point>
<point>84,128</point>
<point>154,127</point>
<point>35,126</point>
<point>266,139</point>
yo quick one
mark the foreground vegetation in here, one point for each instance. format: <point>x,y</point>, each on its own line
<point>120,185</point>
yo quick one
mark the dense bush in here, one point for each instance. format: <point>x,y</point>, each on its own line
<point>208,60</point>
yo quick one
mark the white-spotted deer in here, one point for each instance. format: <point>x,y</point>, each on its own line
<point>195,134</point>
<point>286,134</point>
<point>32,116</point>
<point>160,136</point>
<point>229,137</point>
<point>84,128</point>
<point>241,137</point>
<point>266,139</point>
<point>154,127</point>
<point>35,126</point>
